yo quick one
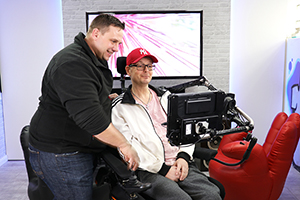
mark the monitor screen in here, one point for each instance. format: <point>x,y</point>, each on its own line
<point>174,38</point>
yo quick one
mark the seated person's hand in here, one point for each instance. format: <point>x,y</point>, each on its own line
<point>182,168</point>
<point>173,174</point>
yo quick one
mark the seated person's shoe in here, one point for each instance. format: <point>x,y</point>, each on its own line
<point>133,185</point>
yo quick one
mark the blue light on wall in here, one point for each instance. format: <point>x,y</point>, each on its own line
<point>292,86</point>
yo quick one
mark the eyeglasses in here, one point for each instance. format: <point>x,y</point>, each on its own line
<point>143,67</point>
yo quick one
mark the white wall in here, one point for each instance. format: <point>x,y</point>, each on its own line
<point>30,33</point>
<point>257,56</point>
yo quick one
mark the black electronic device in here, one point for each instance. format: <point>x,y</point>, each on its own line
<point>189,113</point>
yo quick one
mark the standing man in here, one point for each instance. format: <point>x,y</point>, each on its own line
<point>139,114</point>
<point>72,122</point>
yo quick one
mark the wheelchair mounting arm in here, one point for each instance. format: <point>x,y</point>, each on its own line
<point>187,126</point>
<point>201,81</point>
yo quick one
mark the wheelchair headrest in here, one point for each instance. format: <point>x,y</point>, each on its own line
<point>121,64</point>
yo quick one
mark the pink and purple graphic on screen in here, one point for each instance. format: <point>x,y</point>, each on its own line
<point>173,38</point>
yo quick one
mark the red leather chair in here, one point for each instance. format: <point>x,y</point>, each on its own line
<point>263,175</point>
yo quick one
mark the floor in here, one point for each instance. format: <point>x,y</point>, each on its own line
<point>13,182</point>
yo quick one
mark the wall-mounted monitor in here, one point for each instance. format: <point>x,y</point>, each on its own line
<point>174,37</point>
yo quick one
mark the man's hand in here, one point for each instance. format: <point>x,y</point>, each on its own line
<point>173,174</point>
<point>182,168</point>
<point>113,137</point>
<point>130,156</point>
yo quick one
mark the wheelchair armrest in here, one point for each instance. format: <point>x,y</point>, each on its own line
<point>204,153</point>
<point>116,164</point>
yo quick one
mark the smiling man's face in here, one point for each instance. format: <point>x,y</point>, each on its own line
<point>108,43</point>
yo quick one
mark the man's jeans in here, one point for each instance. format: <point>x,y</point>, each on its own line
<point>68,175</point>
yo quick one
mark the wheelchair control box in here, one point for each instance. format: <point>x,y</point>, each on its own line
<point>189,113</point>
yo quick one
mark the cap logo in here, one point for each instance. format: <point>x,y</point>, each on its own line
<point>143,51</point>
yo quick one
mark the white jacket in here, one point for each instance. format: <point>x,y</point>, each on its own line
<point>134,122</point>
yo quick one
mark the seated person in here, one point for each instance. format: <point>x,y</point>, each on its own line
<point>138,114</point>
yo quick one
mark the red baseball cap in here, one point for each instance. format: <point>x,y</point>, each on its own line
<point>137,54</point>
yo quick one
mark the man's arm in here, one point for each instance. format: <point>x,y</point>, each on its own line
<point>113,137</point>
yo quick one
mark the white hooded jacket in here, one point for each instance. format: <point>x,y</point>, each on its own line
<point>134,122</point>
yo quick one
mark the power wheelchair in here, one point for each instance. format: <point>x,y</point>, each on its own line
<point>183,128</point>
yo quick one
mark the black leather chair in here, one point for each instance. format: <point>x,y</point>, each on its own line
<point>37,189</point>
